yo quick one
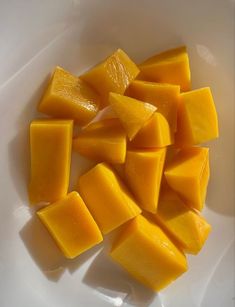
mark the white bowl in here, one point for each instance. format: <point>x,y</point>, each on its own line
<point>37,35</point>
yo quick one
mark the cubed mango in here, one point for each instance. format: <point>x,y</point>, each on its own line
<point>147,253</point>
<point>69,97</point>
<point>107,198</point>
<point>185,225</point>
<point>103,141</point>
<point>132,113</point>
<point>143,172</point>
<point>188,174</point>
<point>197,118</point>
<point>163,96</point>
<point>112,75</point>
<point>171,66</point>
<point>50,146</point>
<point>71,225</point>
<point>155,133</point>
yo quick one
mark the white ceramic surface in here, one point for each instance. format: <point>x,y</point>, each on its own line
<point>37,35</point>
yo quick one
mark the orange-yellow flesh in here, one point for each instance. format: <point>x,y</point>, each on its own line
<point>50,147</point>
<point>188,174</point>
<point>71,225</point>
<point>69,97</point>
<point>185,225</point>
<point>147,253</point>
<point>107,198</point>
<point>102,141</point>
<point>143,173</point>
<point>114,74</point>
<point>132,113</point>
<point>197,118</point>
<point>171,66</point>
<point>155,133</point>
<point>163,96</point>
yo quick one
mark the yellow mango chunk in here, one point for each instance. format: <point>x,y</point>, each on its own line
<point>188,174</point>
<point>132,113</point>
<point>112,75</point>
<point>71,225</point>
<point>143,171</point>
<point>185,225</point>
<point>155,133</point>
<point>69,97</point>
<point>146,252</point>
<point>107,198</point>
<point>164,96</point>
<point>102,141</point>
<point>50,146</point>
<point>197,118</point>
<point>171,66</point>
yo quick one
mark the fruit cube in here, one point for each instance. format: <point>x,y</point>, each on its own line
<point>164,96</point>
<point>71,225</point>
<point>107,198</point>
<point>103,141</point>
<point>188,175</point>
<point>112,75</point>
<point>197,118</point>
<point>50,145</point>
<point>147,253</point>
<point>143,171</point>
<point>155,133</point>
<point>171,66</point>
<point>185,225</point>
<point>69,97</point>
<point>132,113</point>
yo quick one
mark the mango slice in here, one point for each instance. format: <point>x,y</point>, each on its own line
<point>102,141</point>
<point>185,225</point>
<point>146,252</point>
<point>197,118</point>
<point>164,96</point>
<point>69,97</point>
<point>132,113</point>
<point>155,133</point>
<point>171,66</point>
<point>50,145</point>
<point>71,225</point>
<point>112,75</point>
<point>107,198</point>
<point>143,171</point>
<point>188,174</point>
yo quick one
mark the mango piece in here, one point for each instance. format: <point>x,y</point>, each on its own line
<point>163,96</point>
<point>185,225</point>
<point>102,141</point>
<point>171,66</point>
<point>188,174</point>
<point>197,118</point>
<point>147,253</point>
<point>107,198</point>
<point>112,75</point>
<point>50,145</point>
<point>155,133</point>
<point>132,113</point>
<point>71,225</point>
<point>69,97</point>
<point>143,171</point>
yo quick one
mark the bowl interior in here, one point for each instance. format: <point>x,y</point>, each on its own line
<point>77,35</point>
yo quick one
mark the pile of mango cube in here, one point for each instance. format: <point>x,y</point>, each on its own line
<point>150,176</point>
